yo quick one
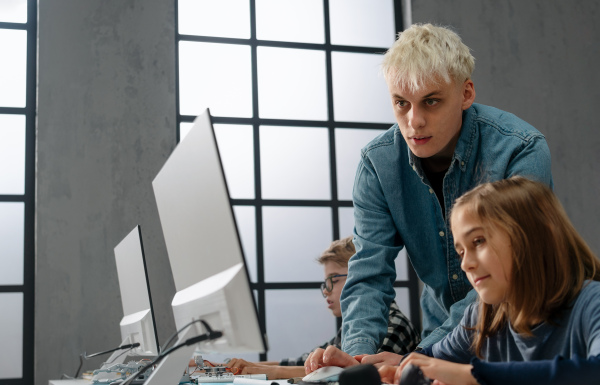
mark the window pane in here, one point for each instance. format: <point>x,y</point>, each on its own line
<point>348,143</point>
<point>223,18</point>
<point>291,84</point>
<point>236,147</point>
<point>216,76</point>
<point>13,67</point>
<point>403,300</point>
<point>401,266</point>
<point>295,163</point>
<point>11,242</point>
<point>308,322</point>
<point>290,20</point>
<point>365,23</point>
<point>346,220</point>
<point>12,154</point>
<point>359,92</point>
<point>245,218</point>
<point>11,335</point>
<point>237,155</point>
<point>293,238</point>
<point>13,11</point>
<point>184,128</point>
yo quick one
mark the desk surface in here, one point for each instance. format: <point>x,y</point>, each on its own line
<point>88,382</point>
<point>74,381</point>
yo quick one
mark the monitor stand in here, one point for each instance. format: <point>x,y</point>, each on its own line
<point>172,367</point>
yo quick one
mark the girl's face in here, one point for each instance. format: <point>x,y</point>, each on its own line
<point>333,296</point>
<point>486,255</point>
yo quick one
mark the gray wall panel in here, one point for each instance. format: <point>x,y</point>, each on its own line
<point>106,124</point>
<point>537,59</point>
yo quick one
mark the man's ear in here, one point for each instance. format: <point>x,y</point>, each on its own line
<point>468,93</point>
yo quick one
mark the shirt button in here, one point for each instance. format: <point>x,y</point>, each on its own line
<point>431,191</point>
<point>414,168</point>
<point>455,276</point>
<point>441,233</point>
<point>462,163</point>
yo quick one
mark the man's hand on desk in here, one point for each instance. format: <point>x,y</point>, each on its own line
<point>379,359</point>
<point>331,356</point>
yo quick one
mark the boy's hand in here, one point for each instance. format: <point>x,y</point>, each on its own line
<point>332,356</point>
<point>237,365</point>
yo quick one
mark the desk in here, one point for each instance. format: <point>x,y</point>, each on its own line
<point>78,381</point>
<point>74,381</point>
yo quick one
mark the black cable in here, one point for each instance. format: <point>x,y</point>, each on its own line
<point>209,335</point>
<point>117,357</point>
<point>172,337</point>
<point>129,346</point>
<point>84,356</point>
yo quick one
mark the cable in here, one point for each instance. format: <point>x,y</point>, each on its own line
<point>172,337</point>
<point>117,357</point>
<point>84,356</point>
<point>189,341</point>
<point>128,346</point>
<point>209,335</point>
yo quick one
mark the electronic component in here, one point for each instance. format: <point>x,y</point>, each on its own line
<point>119,372</point>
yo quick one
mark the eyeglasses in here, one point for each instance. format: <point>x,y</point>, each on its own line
<point>328,284</point>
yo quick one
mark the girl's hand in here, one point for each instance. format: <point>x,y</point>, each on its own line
<point>388,373</point>
<point>443,372</point>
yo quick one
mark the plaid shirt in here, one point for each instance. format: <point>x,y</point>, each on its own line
<point>402,338</point>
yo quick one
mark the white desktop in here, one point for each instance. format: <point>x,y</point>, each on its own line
<point>137,325</point>
<point>205,253</point>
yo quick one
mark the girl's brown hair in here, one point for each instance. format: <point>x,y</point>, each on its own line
<point>550,259</point>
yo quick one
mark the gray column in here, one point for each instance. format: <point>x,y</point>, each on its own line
<point>106,124</point>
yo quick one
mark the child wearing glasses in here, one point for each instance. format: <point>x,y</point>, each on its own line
<point>537,316</point>
<point>401,337</point>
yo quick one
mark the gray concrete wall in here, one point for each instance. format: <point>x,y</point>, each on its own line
<point>538,59</point>
<point>106,124</point>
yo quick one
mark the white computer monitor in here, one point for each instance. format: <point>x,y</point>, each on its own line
<point>137,324</point>
<point>205,253</point>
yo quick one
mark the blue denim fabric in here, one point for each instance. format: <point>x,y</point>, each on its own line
<point>395,207</point>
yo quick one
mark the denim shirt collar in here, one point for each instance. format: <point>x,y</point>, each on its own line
<point>462,152</point>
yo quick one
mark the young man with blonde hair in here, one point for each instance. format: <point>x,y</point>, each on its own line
<point>443,145</point>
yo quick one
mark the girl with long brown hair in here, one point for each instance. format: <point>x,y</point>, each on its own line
<point>537,319</point>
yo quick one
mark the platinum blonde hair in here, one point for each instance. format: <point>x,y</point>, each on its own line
<point>427,54</point>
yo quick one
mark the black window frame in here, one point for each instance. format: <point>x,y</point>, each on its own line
<point>28,198</point>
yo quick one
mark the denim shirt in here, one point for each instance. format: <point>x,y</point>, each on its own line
<point>395,207</point>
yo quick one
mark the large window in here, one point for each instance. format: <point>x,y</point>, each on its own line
<point>17,169</point>
<point>295,91</point>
